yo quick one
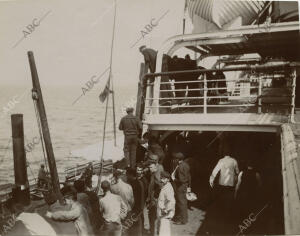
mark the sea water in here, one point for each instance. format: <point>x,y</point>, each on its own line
<point>72,126</point>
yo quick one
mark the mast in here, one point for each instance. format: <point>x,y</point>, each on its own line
<point>110,74</point>
<point>184,16</point>
<point>37,96</point>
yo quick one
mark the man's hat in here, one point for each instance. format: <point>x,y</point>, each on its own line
<point>165,174</point>
<point>142,47</point>
<point>129,109</point>
<point>117,172</point>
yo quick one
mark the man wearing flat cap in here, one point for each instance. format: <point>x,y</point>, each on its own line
<point>165,205</point>
<point>182,180</point>
<point>149,56</point>
<point>131,127</point>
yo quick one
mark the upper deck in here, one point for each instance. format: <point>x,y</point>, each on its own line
<point>239,93</point>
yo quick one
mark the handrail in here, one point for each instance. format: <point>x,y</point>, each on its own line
<point>223,105</point>
<point>200,81</point>
<point>262,72</point>
<point>286,65</point>
<point>213,80</point>
<point>200,97</point>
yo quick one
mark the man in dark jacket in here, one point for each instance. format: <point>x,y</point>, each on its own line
<point>155,148</point>
<point>131,127</point>
<point>139,202</point>
<point>182,179</point>
<point>149,56</point>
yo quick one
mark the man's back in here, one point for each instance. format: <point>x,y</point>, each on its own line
<point>42,174</point>
<point>130,125</point>
<point>110,206</point>
<point>125,191</point>
<point>228,168</point>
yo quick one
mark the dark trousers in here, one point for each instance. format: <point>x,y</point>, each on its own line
<point>152,212</point>
<point>138,225</point>
<point>181,202</point>
<point>130,145</point>
<point>180,86</point>
<point>111,229</point>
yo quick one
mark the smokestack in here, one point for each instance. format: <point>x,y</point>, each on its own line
<point>21,193</point>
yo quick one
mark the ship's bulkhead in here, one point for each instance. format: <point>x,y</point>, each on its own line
<point>262,150</point>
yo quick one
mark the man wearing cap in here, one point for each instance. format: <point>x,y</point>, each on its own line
<point>182,179</point>
<point>149,56</point>
<point>156,149</point>
<point>123,189</point>
<point>165,205</point>
<point>113,210</point>
<point>131,127</point>
<point>42,176</point>
<point>155,186</point>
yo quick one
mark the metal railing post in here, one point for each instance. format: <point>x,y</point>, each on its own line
<point>148,102</point>
<point>294,75</point>
<point>259,94</point>
<point>205,95</point>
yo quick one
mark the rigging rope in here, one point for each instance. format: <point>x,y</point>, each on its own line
<point>40,133</point>
<point>102,152</point>
<point>110,85</point>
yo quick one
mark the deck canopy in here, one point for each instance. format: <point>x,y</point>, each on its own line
<point>270,44</point>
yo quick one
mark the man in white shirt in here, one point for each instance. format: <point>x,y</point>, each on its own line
<point>165,205</point>
<point>113,210</point>
<point>123,189</point>
<point>228,168</point>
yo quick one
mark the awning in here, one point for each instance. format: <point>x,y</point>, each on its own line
<point>274,44</point>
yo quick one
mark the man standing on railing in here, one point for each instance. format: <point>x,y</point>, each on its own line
<point>132,127</point>
<point>149,56</point>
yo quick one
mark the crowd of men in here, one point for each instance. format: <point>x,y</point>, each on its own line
<point>149,191</point>
<point>146,193</point>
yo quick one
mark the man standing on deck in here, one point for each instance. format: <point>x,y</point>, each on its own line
<point>153,190</point>
<point>131,127</point>
<point>123,189</point>
<point>113,210</point>
<point>229,170</point>
<point>182,179</point>
<point>165,205</point>
<point>42,177</point>
<point>139,202</point>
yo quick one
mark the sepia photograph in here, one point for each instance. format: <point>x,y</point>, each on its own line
<point>149,117</point>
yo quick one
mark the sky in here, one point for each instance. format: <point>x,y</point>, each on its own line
<point>71,39</point>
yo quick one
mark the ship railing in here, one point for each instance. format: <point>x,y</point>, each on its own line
<point>75,172</point>
<point>203,95</point>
